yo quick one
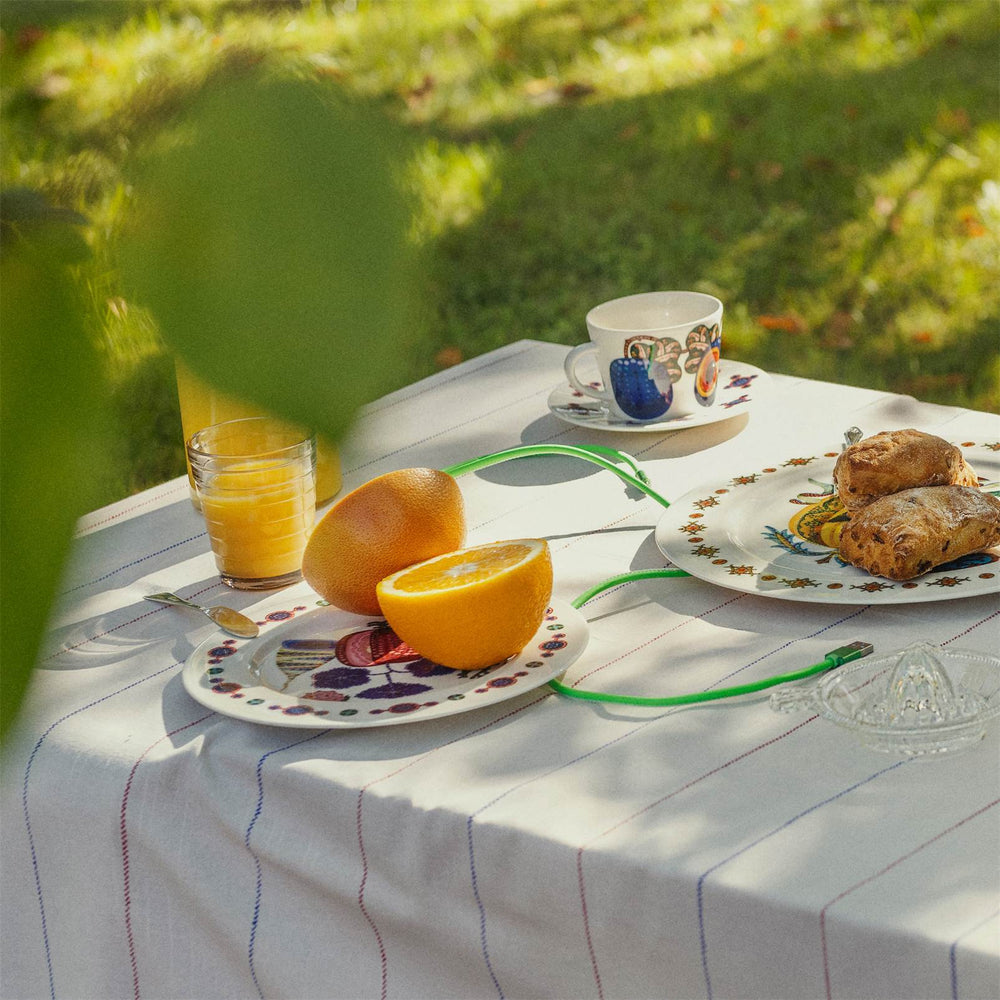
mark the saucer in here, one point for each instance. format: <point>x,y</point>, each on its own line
<point>739,390</point>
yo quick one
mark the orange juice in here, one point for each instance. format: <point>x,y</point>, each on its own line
<point>259,517</point>
<point>201,406</point>
<point>255,478</point>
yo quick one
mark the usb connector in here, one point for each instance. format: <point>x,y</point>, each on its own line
<point>852,651</point>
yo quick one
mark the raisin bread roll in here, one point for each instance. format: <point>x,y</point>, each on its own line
<point>891,461</point>
<point>908,533</point>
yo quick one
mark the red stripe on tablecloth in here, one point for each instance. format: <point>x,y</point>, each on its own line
<point>383,954</point>
<point>656,638</point>
<point>126,864</point>
<point>878,874</point>
<point>92,526</point>
<point>644,809</point>
<point>971,628</point>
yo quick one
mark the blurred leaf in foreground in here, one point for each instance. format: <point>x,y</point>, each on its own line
<point>270,245</point>
<point>53,425</point>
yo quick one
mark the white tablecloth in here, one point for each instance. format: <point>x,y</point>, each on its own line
<point>542,847</point>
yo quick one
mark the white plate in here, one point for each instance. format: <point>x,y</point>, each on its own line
<point>736,533</point>
<point>740,387</point>
<point>277,680</point>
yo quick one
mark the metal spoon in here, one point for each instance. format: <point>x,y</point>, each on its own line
<point>226,618</point>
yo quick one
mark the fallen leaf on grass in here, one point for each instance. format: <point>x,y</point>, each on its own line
<point>970,224</point>
<point>837,334</point>
<point>415,95</point>
<point>28,37</point>
<point>574,90</point>
<point>521,139</point>
<point>769,171</point>
<point>819,164</point>
<point>953,121</point>
<point>787,323</point>
<point>448,356</point>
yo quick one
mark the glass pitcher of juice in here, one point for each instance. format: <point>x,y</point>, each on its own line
<point>202,406</point>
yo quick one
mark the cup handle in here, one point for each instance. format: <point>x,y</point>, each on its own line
<point>569,366</point>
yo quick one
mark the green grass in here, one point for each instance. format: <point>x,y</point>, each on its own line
<point>828,169</point>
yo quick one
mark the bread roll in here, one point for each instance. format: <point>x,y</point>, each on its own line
<point>891,461</point>
<point>908,533</point>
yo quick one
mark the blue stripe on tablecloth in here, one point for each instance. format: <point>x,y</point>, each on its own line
<point>875,875</point>
<point>783,826</point>
<point>471,819</point>
<point>469,827</point>
<point>383,953</point>
<point>258,870</point>
<point>35,865</point>
<point>134,562</point>
<point>579,860</point>
<point>36,868</point>
<point>126,859</point>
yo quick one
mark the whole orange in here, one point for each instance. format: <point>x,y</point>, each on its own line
<point>390,522</point>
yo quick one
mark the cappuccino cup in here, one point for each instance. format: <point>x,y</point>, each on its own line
<point>657,354</point>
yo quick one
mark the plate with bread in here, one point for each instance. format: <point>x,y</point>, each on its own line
<point>898,517</point>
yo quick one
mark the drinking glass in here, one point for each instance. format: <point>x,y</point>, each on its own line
<point>255,480</point>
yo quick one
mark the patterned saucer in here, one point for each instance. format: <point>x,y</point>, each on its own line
<point>310,669</point>
<point>740,389</point>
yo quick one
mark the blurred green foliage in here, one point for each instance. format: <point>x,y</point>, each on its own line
<point>53,423</point>
<point>270,244</point>
<point>270,241</point>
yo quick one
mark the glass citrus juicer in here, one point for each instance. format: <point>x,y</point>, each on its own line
<point>921,701</point>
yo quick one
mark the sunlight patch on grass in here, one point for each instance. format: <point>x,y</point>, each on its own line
<point>453,183</point>
<point>826,167</point>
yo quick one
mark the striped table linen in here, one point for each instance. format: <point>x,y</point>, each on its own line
<point>541,847</point>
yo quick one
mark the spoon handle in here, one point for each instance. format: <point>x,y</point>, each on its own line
<point>171,599</point>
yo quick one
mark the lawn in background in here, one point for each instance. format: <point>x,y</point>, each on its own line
<point>828,169</point>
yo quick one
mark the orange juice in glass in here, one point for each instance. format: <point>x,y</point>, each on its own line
<point>202,406</point>
<point>256,482</point>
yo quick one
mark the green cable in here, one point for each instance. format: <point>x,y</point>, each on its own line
<point>639,574</point>
<point>590,453</point>
<point>596,454</point>
<point>835,658</point>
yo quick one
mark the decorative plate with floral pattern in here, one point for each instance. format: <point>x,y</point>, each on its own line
<point>739,389</point>
<point>309,670</point>
<point>772,532</point>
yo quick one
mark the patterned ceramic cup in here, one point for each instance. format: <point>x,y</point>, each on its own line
<point>657,355</point>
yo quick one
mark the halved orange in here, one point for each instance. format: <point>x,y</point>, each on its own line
<point>474,607</point>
